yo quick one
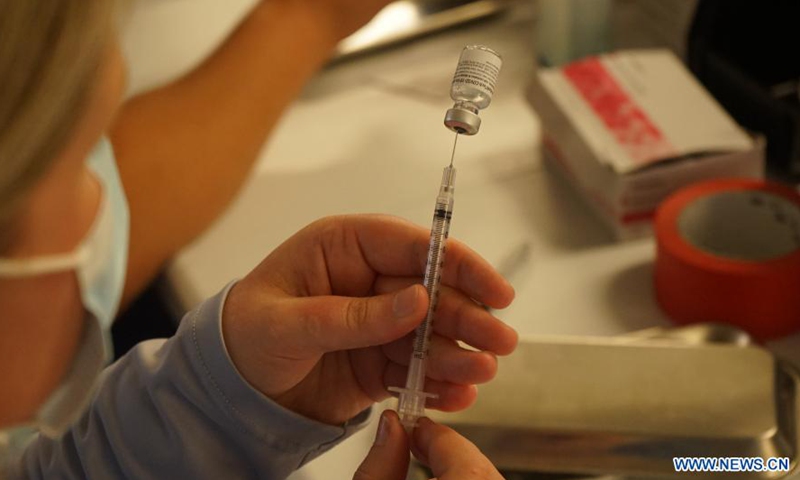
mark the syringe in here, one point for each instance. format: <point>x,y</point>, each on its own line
<point>411,404</point>
<point>472,89</point>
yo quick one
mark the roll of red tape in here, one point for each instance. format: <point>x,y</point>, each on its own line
<point>729,251</point>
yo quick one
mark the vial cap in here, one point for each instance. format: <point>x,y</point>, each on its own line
<point>462,121</point>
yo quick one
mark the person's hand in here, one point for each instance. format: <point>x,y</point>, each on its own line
<point>325,323</point>
<point>449,455</point>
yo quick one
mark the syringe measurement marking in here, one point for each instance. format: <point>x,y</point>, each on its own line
<point>433,275</point>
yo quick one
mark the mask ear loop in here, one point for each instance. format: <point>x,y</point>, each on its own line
<point>31,267</point>
<point>46,264</point>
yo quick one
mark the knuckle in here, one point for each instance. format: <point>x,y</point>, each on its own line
<point>364,473</point>
<point>462,274</point>
<point>313,325</point>
<point>482,471</point>
<point>463,310</point>
<point>356,313</point>
<point>330,226</point>
<point>327,226</point>
<point>327,221</point>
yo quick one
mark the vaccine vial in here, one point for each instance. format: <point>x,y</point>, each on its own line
<point>472,88</point>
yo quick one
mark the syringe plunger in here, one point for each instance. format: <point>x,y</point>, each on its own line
<point>411,401</point>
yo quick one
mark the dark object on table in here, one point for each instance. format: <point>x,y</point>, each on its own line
<point>746,54</point>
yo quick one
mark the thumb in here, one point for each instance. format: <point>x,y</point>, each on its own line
<point>331,323</point>
<point>388,458</point>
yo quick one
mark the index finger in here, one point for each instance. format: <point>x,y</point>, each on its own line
<point>449,455</point>
<point>393,246</point>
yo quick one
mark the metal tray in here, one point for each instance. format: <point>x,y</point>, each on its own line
<point>628,405</point>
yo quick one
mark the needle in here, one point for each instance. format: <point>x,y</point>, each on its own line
<point>453,155</point>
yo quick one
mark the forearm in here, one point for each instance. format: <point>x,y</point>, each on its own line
<point>180,409</point>
<point>185,149</point>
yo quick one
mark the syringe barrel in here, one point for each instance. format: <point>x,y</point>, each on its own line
<point>440,230</point>
<point>415,380</point>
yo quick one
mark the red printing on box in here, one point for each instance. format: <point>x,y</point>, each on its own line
<point>626,121</point>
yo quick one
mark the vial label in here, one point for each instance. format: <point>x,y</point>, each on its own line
<point>478,69</point>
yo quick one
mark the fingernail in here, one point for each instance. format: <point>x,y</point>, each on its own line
<point>421,440</point>
<point>405,302</point>
<point>383,430</point>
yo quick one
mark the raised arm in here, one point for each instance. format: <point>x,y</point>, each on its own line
<point>185,149</point>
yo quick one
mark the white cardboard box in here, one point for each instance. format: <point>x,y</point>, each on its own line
<point>631,127</point>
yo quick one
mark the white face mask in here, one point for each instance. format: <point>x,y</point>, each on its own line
<point>100,263</point>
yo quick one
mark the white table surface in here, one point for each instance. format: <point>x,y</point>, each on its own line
<point>367,136</point>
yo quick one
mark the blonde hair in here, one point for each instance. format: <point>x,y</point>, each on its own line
<point>50,53</point>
